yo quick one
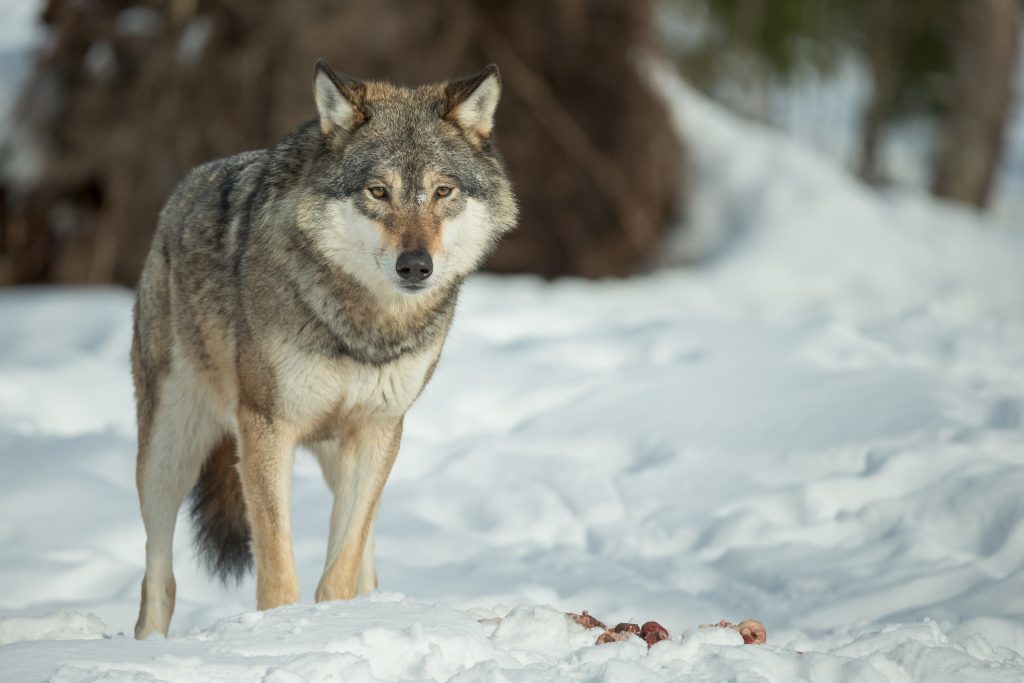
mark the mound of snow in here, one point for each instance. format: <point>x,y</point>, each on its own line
<point>386,637</point>
<point>60,625</point>
<point>821,428</point>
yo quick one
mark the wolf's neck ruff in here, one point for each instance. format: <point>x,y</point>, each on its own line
<point>344,318</point>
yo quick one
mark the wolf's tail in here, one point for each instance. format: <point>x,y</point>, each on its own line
<point>219,525</point>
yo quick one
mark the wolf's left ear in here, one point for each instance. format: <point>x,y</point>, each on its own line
<point>339,100</point>
<point>470,102</point>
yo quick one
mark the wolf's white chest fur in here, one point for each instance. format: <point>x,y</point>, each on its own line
<point>312,387</point>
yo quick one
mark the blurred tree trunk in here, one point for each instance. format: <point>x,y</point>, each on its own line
<point>127,96</point>
<point>883,65</point>
<point>985,49</point>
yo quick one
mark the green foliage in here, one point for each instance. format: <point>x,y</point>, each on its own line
<point>916,40</point>
<point>908,45</point>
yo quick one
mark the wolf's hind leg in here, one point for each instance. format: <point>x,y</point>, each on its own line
<point>181,435</point>
<point>356,471</point>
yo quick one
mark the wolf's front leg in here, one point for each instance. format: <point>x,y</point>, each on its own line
<point>266,456</point>
<point>356,472</point>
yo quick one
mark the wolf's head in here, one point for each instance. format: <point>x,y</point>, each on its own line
<point>410,193</point>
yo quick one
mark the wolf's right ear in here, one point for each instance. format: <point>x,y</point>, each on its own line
<point>339,100</point>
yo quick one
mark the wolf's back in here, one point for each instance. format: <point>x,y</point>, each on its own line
<point>205,203</point>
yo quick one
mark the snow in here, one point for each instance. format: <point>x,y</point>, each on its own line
<point>820,426</point>
<point>20,35</point>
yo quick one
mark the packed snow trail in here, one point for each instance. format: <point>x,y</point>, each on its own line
<point>821,428</point>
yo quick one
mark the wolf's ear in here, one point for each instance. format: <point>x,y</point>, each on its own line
<point>339,100</point>
<point>469,103</point>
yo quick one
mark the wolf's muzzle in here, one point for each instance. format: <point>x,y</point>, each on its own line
<point>414,265</point>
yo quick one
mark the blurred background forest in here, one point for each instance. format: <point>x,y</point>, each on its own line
<point>124,96</point>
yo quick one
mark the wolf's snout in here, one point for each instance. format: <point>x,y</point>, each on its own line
<point>414,265</point>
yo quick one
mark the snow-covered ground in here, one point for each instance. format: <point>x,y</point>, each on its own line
<point>822,427</point>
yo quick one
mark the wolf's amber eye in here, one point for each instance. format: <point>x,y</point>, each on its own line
<point>444,191</point>
<point>378,191</point>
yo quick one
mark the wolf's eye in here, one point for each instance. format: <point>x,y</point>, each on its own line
<point>378,191</point>
<point>444,190</point>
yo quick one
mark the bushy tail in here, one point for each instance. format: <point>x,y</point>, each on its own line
<point>219,525</point>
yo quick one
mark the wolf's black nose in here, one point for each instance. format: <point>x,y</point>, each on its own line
<point>414,265</point>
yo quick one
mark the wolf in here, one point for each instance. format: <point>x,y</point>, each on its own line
<point>302,295</point>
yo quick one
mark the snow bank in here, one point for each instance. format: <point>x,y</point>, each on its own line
<point>821,428</point>
<point>60,625</point>
<point>387,637</point>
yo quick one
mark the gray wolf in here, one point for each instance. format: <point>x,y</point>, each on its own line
<point>301,295</point>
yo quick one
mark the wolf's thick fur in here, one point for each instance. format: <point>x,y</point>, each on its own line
<point>302,294</point>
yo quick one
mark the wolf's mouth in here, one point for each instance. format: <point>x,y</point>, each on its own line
<point>412,287</point>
